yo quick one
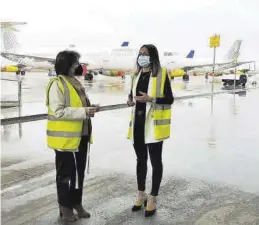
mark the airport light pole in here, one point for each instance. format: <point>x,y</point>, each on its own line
<point>214,43</point>
<point>20,90</point>
<point>213,70</point>
<point>235,75</point>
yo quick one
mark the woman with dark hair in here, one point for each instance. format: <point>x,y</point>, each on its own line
<point>151,97</point>
<point>69,132</point>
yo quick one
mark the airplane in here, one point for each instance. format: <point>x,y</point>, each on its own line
<point>39,61</point>
<point>47,63</point>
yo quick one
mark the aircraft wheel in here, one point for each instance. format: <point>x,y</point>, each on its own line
<point>23,73</point>
<point>186,77</point>
<point>17,72</point>
<point>89,76</point>
<point>243,79</point>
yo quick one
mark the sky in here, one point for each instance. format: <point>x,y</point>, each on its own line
<point>173,25</point>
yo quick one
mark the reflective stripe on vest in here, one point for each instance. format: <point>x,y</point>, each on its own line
<point>64,134</point>
<point>161,114</point>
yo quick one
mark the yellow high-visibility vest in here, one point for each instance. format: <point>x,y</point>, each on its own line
<point>161,113</point>
<point>64,134</point>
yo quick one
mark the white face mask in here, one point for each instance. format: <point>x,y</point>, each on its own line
<point>144,60</point>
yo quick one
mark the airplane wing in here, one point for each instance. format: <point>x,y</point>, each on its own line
<point>241,63</point>
<point>221,65</point>
<point>22,58</point>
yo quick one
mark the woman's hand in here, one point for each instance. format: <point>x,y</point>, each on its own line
<point>143,98</point>
<point>90,111</point>
<point>130,102</point>
<point>97,106</point>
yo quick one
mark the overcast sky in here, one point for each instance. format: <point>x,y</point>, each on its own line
<point>176,25</point>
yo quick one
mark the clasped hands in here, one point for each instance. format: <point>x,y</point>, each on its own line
<point>143,98</point>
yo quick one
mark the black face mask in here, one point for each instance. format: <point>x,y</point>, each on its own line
<point>79,70</point>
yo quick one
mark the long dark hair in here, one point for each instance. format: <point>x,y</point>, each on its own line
<point>154,59</point>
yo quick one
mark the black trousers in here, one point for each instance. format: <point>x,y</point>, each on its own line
<point>70,172</point>
<point>155,153</point>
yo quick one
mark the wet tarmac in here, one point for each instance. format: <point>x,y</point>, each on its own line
<point>211,164</point>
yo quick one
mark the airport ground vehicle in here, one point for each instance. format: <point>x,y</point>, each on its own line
<point>229,79</point>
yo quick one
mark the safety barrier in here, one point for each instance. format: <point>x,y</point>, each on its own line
<point>43,116</point>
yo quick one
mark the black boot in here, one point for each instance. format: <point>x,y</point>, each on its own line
<point>81,211</point>
<point>66,214</point>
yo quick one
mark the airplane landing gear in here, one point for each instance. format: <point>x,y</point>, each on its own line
<point>186,77</point>
<point>89,76</point>
<point>20,72</point>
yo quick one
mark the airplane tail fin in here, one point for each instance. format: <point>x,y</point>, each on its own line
<point>190,54</point>
<point>234,51</point>
<point>125,44</point>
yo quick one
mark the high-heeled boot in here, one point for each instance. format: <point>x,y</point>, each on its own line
<point>81,211</point>
<point>67,214</point>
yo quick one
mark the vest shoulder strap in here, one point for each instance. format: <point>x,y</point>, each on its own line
<point>164,71</point>
<point>48,88</point>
